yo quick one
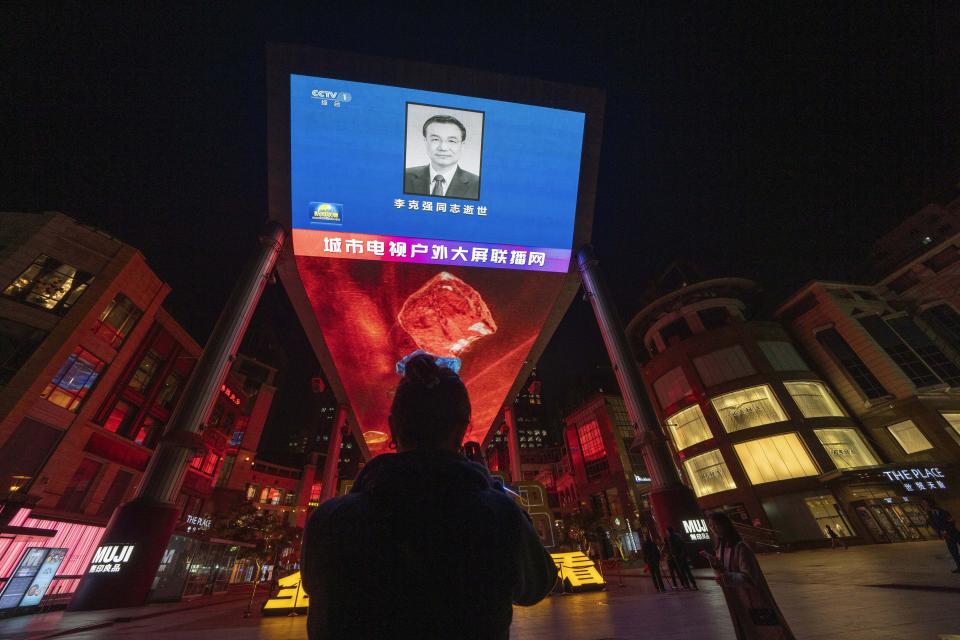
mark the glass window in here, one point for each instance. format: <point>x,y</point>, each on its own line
<point>210,462</point>
<point>117,321</point>
<point>945,321</point>
<point>290,498</point>
<point>909,436</point>
<point>900,353</point>
<point>314,494</point>
<point>746,408</point>
<point>813,399</point>
<point>953,419</point>
<point>688,427</point>
<point>825,511</point>
<point>944,259</point>
<point>276,496</point>
<point>675,331</point>
<point>252,490</point>
<point>145,372</point>
<point>846,448</point>
<point>17,343</point>
<point>75,380</point>
<point>80,486</point>
<point>167,395</point>
<point>903,282</point>
<point>783,356</point>
<point>49,284</point>
<point>593,449</point>
<point>714,317</point>
<point>775,458</point>
<point>672,387</point>
<point>708,473</point>
<point>927,349</point>
<point>834,344</point>
<point>120,418</point>
<point>722,365</point>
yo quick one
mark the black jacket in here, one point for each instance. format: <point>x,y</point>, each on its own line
<point>424,546</point>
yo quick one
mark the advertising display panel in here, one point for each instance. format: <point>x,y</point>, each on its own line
<point>424,220</point>
<point>33,575</point>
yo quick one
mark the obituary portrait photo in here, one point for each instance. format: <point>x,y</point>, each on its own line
<point>443,152</point>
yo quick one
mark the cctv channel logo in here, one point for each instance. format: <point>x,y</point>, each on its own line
<point>326,97</point>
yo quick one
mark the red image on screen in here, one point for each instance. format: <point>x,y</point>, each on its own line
<point>373,314</point>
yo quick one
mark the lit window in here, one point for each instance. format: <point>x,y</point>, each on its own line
<point>117,321</point>
<point>825,511</point>
<point>813,399</point>
<point>120,418</point>
<point>167,395</point>
<point>593,450</point>
<point>688,427</point>
<point>73,382</point>
<point>276,496</point>
<point>909,436</point>
<point>953,419</point>
<point>147,368</point>
<point>846,448</point>
<point>49,284</point>
<point>252,491</point>
<point>314,494</point>
<point>747,408</point>
<point>775,458</point>
<point>708,473</point>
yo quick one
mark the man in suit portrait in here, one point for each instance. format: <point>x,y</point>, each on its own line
<point>444,137</point>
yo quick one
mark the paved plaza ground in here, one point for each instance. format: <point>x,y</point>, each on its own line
<point>884,592</point>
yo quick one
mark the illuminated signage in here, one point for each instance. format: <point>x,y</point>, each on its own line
<point>110,558</point>
<point>429,221</point>
<point>696,529</point>
<point>577,571</point>
<point>917,479</point>
<point>227,391</point>
<point>30,580</point>
<point>290,597</point>
<point>198,523</point>
<point>640,479</point>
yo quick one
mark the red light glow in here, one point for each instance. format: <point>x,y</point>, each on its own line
<point>372,314</point>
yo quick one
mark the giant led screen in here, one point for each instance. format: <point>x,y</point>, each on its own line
<point>429,221</point>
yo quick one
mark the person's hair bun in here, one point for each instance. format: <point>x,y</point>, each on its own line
<point>423,370</point>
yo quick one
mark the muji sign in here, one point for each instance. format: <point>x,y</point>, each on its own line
<point>110,558</point>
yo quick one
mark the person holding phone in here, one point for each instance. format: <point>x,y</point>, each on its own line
<point>754,611</point>
<point>426,544</point>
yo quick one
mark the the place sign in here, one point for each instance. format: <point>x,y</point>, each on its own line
<point>198,523</point>
<point>696,529</point>
<point>918,478</point>
<point>110,558</point>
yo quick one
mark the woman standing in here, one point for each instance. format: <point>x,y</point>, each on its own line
<point>755,613</point>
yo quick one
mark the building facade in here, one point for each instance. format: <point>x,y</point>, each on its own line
<point>601,478</point>
<point>91,367</point>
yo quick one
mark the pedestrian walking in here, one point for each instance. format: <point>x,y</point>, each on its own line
<point>672,570</point>
<point>946,527</point>
<point>651,556</point>
<point>754,611</point>
<point>835,539</point>
<point>678,551</point>
<point>425,545</point>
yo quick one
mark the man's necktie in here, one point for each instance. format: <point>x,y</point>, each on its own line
<point>437,186</point>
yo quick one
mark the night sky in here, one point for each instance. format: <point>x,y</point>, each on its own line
<point>767,140</point>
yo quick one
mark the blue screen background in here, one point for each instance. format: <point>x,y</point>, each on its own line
<point>353,155</point>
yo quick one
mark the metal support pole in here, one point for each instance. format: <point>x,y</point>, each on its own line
<point>331,466</point>
<point>164,475</point>
<point>670,499</point>
<point>513,445</point>
<point>148,521</point>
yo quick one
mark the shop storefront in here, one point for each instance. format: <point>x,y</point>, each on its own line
<point>42,561</point>
<point>883,504</point>
<point>193,567</point>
